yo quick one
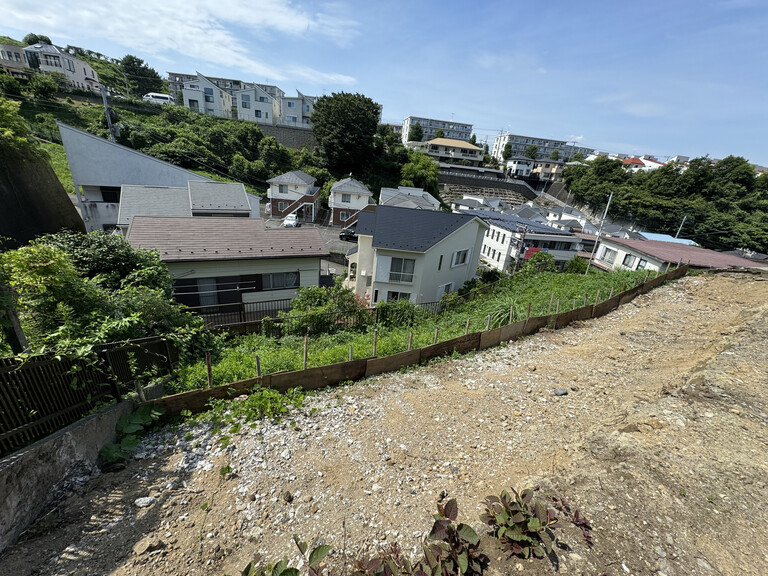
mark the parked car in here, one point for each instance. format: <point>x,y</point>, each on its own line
<point>291,221</point>
<point>157,98</point>
<point>348,235</point>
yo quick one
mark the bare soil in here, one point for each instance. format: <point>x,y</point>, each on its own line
<point>661,441</point>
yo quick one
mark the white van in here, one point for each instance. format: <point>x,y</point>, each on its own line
<point>157,98</point>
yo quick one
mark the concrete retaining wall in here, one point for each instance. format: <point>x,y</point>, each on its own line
<point>30,478</point>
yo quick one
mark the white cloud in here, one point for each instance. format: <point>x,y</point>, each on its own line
<point>627,103</point>
<point>572,138</point>
<point>209,32</point>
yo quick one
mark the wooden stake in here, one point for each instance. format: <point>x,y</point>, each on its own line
<point>574,303</point>
<point>306,349</point>
<point>511,314</point>
<point>647,275</point>
<point>208,367</point>
<point>597,297</point>
<point>611,294</point>
<point>375,338</point>
<point>437,333</point>
<point>350,353</point>
<point>410,340</point>
<point>551,299</point>
<point>466,328</point>
<point>528,313</point>
<point>586,299</point>
<point>488,323</point>
<point>258,366</point>
<point>557,308</point>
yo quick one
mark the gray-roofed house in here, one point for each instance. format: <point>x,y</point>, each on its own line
<point>408,197</point>
<point>293,192</point>
<point>228,269</point>
<point>511,240</point>
<point>100,168</point>
<point>347,198</point>
<point>221,199</point>
<point>415,254</point>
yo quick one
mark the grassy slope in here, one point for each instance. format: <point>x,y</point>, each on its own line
<point>11,41</point>
<point>60,165</point>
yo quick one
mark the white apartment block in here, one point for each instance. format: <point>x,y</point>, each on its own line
<point>255,105</point>
<point>49,58</point>
<point>546,146</point>
<point>202,95</point>
<point>430,126</point>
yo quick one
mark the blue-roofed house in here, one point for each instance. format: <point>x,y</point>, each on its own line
<point>511,240</point>
<point>415,254</point>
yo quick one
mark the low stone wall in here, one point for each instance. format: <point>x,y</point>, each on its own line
<point>30,478</point>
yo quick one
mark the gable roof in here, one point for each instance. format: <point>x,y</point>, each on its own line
<point>408,229</point>
<point>350,186</point>
<point>195,239</point>
<point>453,142</point>
<point>218,196</point>
<point>293,177</point>
<point>152,201</point>
<point>674,252</point>
<point>516,224</point>
<point>407,197</point>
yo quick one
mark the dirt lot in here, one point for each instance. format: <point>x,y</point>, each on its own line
<point>661,442</point>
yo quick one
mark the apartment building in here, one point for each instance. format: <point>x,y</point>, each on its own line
<point>546,146</point>
<point>254,104</point>
<point>50,58</point>
<point>430,126</point>
<point>202,95</point>
<point>13,60</point>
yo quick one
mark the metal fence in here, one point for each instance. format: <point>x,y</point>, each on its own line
<point>42,394</point>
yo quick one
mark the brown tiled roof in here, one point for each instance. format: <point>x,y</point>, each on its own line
<point>203,238</point>
<point>674,252</point>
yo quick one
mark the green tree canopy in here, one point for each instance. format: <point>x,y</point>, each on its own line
<point>421,171</point>
<point>140,77</point>
<point>31,39</point>
<point>43,86</point>
<point>473,140</point>
<point>416,133</point>
<point>555,154</point>
<point>344,125</point>
<point>439,133</point>
<point>506,154</point>
<point>532,151</point>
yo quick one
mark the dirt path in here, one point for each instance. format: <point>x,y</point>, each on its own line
<point>661,441</point>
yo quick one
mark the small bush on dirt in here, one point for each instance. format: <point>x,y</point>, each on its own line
<point>129,429</point>
<point>522,526</point>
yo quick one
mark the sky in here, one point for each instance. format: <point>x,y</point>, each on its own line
<point>678,77</point>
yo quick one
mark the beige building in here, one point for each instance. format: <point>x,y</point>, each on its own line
<point>451,151</point>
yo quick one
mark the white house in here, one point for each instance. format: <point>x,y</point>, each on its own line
<point>49,58</point>
<point>221,266</point>
<point>293,192</point>
<point>510,241</point>
<point>254,104</point>
<point>415,254</point>
<point>205,96</point>
<point>348,197</point>
<point>519,166</point>
<point>408,197</point>
<point>100,168</point>
<point>624,254</point>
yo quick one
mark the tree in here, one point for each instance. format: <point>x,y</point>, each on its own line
<point>9,86</point>
<point>43,86</point>
<point>473,140</point>
<point>416,133</point>
<point>140,77</point>
<point>31,39</point>
<point>576,265</point>
<point>532,151</point>
<point>578,157</point>
<point>344,125</point>
<point>439,133</point>
<point>555,155</point>
<point>421,171</point>
<point>507,152</point>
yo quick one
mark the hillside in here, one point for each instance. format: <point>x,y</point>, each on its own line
<point>660,442</point>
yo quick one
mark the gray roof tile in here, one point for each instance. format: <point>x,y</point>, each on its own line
<point>293,177</point>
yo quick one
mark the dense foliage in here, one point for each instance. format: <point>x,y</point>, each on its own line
<point>724,204</point>
<point>74,291</point>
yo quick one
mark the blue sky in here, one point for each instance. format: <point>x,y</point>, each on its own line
<point>664,78</point>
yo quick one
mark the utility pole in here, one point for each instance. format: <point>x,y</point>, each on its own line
<point>520,250</point>
<point>107,114</point>
<point>597,236</point>
<point>681,226</point>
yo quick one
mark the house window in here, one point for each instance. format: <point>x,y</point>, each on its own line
<point>257,113</point>
<point>110,193</point>
<point>346,198</point>
<point>642,264</point>
<point>291,104</point>
<point>246,100</point>
<point>444,289</point>
<point>460,258</point>
<point>440,262</point>
<point>70,65</point>
<point>401,270</point>
<point>503,237</point>
<point>353,270</point>
<point>343,215</point>
<point>280,280</point>
<point>282,188</point>
<point>628,261</point>
<point>208,94</point>
<point>194,105</point>
<point>392,296</point>
<point>263,99</point>
<point>282,206</point>
<point>266,114</point>
<point>291,118</point>
<point>609,255</point>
